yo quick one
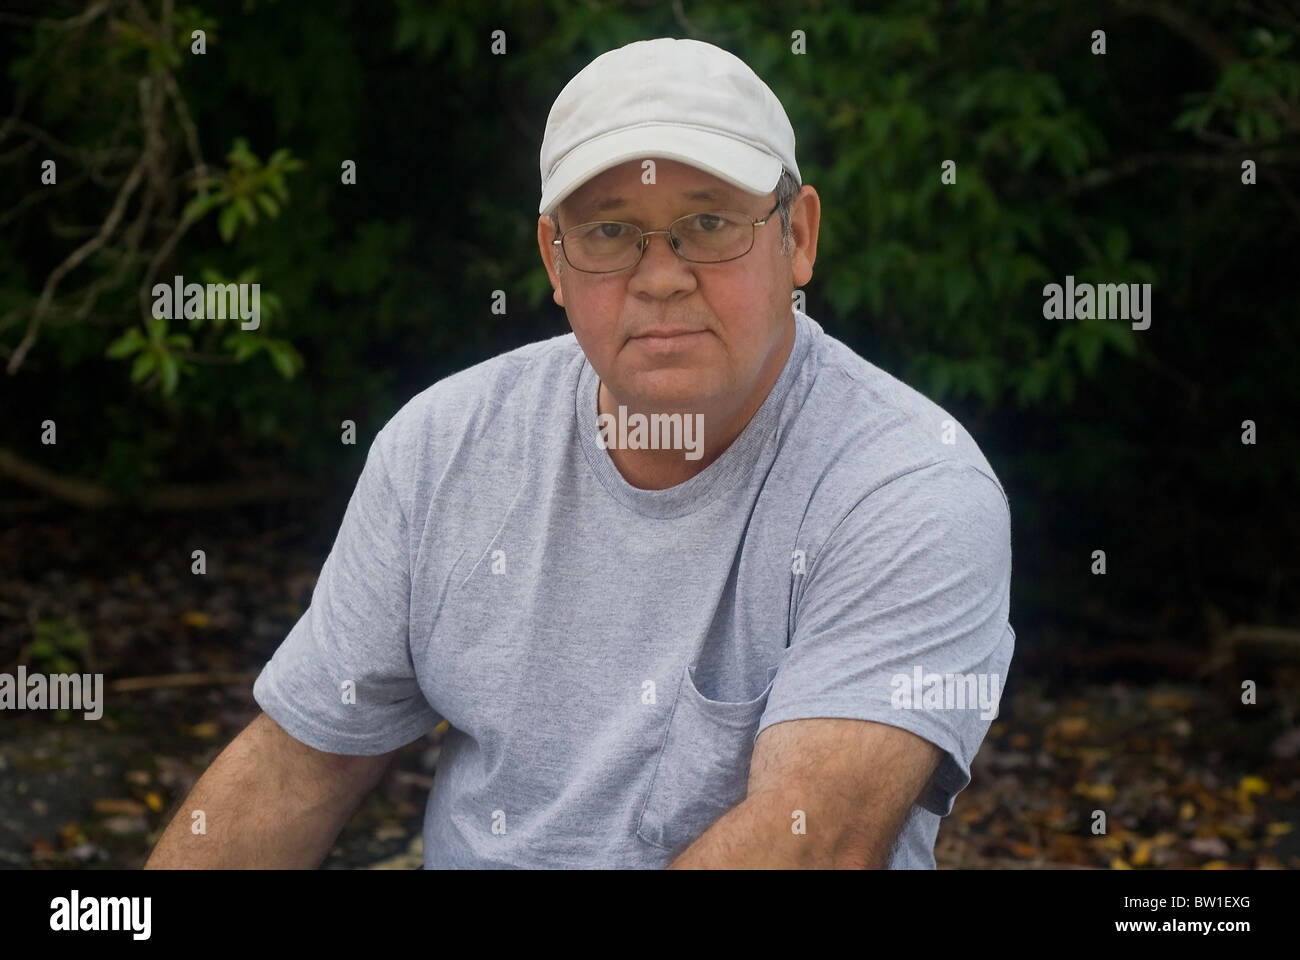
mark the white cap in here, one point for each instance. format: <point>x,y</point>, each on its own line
<point>682,99</point>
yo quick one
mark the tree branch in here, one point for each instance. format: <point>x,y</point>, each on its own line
<point>81,253</point>
<point>91,495</point>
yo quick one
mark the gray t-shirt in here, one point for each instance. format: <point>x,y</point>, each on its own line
<point>605,655</point>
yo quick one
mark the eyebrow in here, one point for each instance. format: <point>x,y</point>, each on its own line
<point>614,203</point>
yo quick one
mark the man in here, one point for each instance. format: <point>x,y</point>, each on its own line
<point>682,583</point>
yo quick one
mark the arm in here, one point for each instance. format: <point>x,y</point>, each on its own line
<point>269,801</point>
<point>853,780</point>
<point>916,576</point>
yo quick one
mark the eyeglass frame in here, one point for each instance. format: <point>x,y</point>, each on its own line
<point>753,236</point>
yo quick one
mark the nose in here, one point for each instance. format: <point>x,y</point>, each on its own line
<point>649,236</point>
<point>657,277</point>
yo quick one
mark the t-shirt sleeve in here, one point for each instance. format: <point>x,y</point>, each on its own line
<point>343,681</point>
<point>903,619</point>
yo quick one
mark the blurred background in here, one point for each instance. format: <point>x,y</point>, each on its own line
<point>1128,166</point>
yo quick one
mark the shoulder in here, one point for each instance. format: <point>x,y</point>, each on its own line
<point>508,385</point>
<point>884,446</point>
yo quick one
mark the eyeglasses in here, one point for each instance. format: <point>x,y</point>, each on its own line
<point>608,246</point>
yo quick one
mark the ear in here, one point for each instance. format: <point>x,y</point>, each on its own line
<point>805,219</point>
<point>550,255</point>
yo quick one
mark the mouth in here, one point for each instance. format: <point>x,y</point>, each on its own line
<point>668,339</point>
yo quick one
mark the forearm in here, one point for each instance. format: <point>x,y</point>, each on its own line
<point>248,810</point>
<point>760,833</point>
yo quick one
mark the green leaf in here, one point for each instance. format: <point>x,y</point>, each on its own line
<point>125,345</point>
<point>269,205</point>
<point>1116,244</point>
<point>143,366</point>
<point>40,649</point>
<point>170,373</point>
<point>228,222</point>
<point>242,345</point>
<point>200,205</point>
<point>1120,336</point>
<point>282,356</point>
<point>1194,119</point>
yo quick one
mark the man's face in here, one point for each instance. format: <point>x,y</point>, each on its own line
<point>667,335</point>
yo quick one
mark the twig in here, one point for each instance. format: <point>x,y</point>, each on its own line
<point>73,259</point>
<point>36,196</point>
<point>1188,26</point>
<point>164,681</point>
<point>1133,165</point>
<point>83,18</point>
<point>150,111</point>
<point>91,495</point>
<point>191,131</point>
<point>160,255</point>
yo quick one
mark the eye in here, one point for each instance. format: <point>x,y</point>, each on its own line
<point>611,230</point>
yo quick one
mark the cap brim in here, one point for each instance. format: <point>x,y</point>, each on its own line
<point>731,160</point>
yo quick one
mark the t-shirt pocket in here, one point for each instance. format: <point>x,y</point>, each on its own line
<point>703,766</point>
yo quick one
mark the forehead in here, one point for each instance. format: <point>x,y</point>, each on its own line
<point>619,190</point>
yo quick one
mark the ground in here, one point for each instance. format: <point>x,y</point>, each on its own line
<point>1185,775</point>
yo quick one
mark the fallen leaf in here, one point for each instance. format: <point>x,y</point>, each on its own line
<point>125,824</point>
<point>1103,792</point>
<point>1252,785</point>
<point>72,835</point>
<point>118,805</point>
<point>1072,728</point>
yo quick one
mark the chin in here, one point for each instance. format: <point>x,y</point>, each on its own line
<point>678,388</point>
